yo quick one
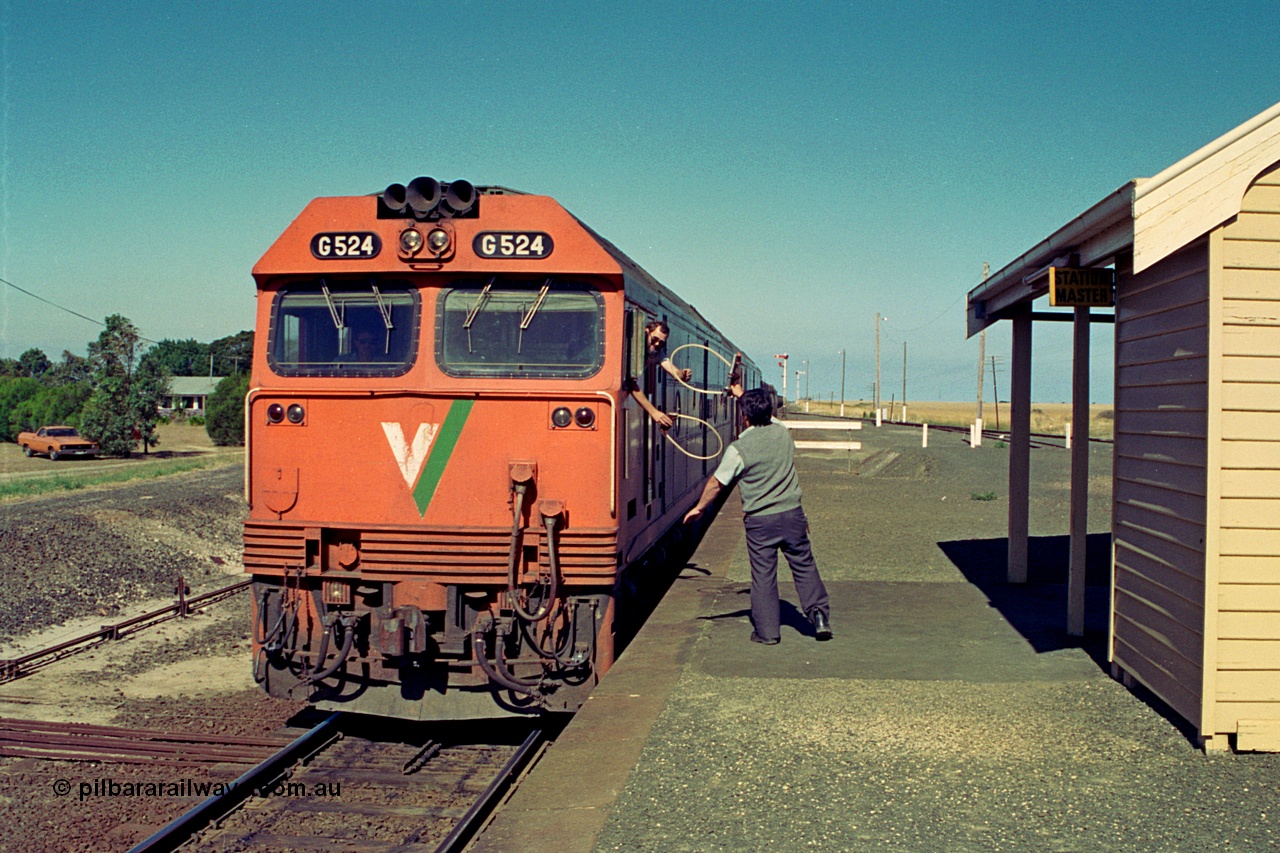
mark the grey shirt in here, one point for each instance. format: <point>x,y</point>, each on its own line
<point>762,461</point>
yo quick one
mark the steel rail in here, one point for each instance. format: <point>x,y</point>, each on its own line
<point>14,668</point>
<point>466,827</point>
<point>10,724</point>
<point>83,742</point>
<point>179,831</point>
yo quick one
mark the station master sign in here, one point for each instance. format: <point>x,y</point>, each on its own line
<point>1081,288</point>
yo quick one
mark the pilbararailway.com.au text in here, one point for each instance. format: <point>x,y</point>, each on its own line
<point>186,788</point>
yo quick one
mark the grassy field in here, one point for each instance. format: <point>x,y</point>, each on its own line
<point>1045,417</point>
<point>182,448</point>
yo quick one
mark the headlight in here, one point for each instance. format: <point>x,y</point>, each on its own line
<point>585,417</point>
<point>410,241</point>
<point>562,417</point>
<point>295,414</point>
<point>275,413</point>
<point>438,240</point>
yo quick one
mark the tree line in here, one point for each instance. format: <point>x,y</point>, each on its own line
<point>113,395</point>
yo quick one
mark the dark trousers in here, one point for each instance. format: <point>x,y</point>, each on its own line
<point>789,531</point>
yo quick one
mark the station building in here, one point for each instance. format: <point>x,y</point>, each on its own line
<point>1194,254</point>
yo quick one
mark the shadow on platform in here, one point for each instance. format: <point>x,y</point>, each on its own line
<point>1038,608</point>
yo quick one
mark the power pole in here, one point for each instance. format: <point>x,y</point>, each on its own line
<point>982,346</point>
<point>806,382</point>
<point>842,383</point>
<point>904,380</point>
<point>877,400</point>
<point>995,390</point>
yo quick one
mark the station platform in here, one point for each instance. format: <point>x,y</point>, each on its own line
<point>950,711</point>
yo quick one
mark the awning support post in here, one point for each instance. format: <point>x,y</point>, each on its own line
<point>1079,473</point>
<point>1020,447</point>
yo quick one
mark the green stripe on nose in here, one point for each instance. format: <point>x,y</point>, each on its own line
<point>441,450</point>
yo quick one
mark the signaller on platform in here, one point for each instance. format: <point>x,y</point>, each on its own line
<point>762,463</point>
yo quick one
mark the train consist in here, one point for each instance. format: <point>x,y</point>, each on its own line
<point>451,489</point>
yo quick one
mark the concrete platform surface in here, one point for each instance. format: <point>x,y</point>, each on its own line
<point>950,713</point>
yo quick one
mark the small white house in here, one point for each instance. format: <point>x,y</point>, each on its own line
<point>189,394</point>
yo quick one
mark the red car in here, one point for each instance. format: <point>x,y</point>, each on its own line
<point>56,442</point>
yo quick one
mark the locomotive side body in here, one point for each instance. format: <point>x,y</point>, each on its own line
<point>450,491</point>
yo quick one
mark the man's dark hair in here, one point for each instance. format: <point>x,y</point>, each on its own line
<point>657,324</point>
<point>756,406</point>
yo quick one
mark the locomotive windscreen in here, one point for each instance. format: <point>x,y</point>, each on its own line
<point>511,328</point>
<point>319,328</point>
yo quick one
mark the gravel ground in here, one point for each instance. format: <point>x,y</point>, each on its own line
<point>772,764</point>
<point>94,552</point>
<point>73,560</point>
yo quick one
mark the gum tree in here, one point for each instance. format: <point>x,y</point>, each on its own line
<point>127,390</point>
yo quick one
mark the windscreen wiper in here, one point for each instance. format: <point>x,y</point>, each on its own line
<point>533,309</point>
<point>385,310</point>
<point>338,320</point>
<point>475,309</point>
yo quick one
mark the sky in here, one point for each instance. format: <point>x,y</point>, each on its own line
<point>791,169</point>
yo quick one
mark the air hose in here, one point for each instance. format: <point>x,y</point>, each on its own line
<point>513,562</point>
<point>497,672</point>
<point>332,621</point>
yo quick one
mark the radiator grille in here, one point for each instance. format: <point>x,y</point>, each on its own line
<point>274,547</point>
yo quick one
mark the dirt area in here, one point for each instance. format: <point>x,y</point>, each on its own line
<point>72,561</point>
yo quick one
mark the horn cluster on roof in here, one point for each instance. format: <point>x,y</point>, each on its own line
<point>426,198</point>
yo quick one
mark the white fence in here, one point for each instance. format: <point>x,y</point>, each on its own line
<point>809,444</point>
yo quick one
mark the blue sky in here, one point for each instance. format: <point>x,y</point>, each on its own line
<point>791,169</point>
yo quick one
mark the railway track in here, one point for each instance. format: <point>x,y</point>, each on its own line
<point>82,742</point>
<point>355,784</point>
<point>14,668</point>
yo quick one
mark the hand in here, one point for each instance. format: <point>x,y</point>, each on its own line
<point>686,374</point>
<point>663,420</point>
<point>692,515</point>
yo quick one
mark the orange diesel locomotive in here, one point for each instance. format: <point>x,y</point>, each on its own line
<point>450,489</point>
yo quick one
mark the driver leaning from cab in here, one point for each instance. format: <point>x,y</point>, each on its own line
<point>655,336</point>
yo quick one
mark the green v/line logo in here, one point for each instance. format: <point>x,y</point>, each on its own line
<point>422,461</point>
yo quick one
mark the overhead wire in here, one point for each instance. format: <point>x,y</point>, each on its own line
<point>63,308</point>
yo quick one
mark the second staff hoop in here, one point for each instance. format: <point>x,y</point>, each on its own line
<point>727,363</point>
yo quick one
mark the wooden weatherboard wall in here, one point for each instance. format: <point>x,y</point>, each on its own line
<point>1246,441</point>
<point>1159,479</point>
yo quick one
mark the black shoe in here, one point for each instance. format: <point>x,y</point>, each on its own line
<point>821,627</point>
<point>756,638</point>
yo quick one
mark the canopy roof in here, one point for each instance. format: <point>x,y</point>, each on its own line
<point>1150,217</point>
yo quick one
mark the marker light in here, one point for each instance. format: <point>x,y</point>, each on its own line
<point>562,417</point>
<point>275,413</point>
<point>410,241</point>
<point>295,414</point>
<point>438,240</point>
<point>585,417</point>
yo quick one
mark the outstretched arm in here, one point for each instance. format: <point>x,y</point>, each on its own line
<point>735,376</point>
<point>709,493</point>
<point>680,374</point>
<point>660,417</point>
